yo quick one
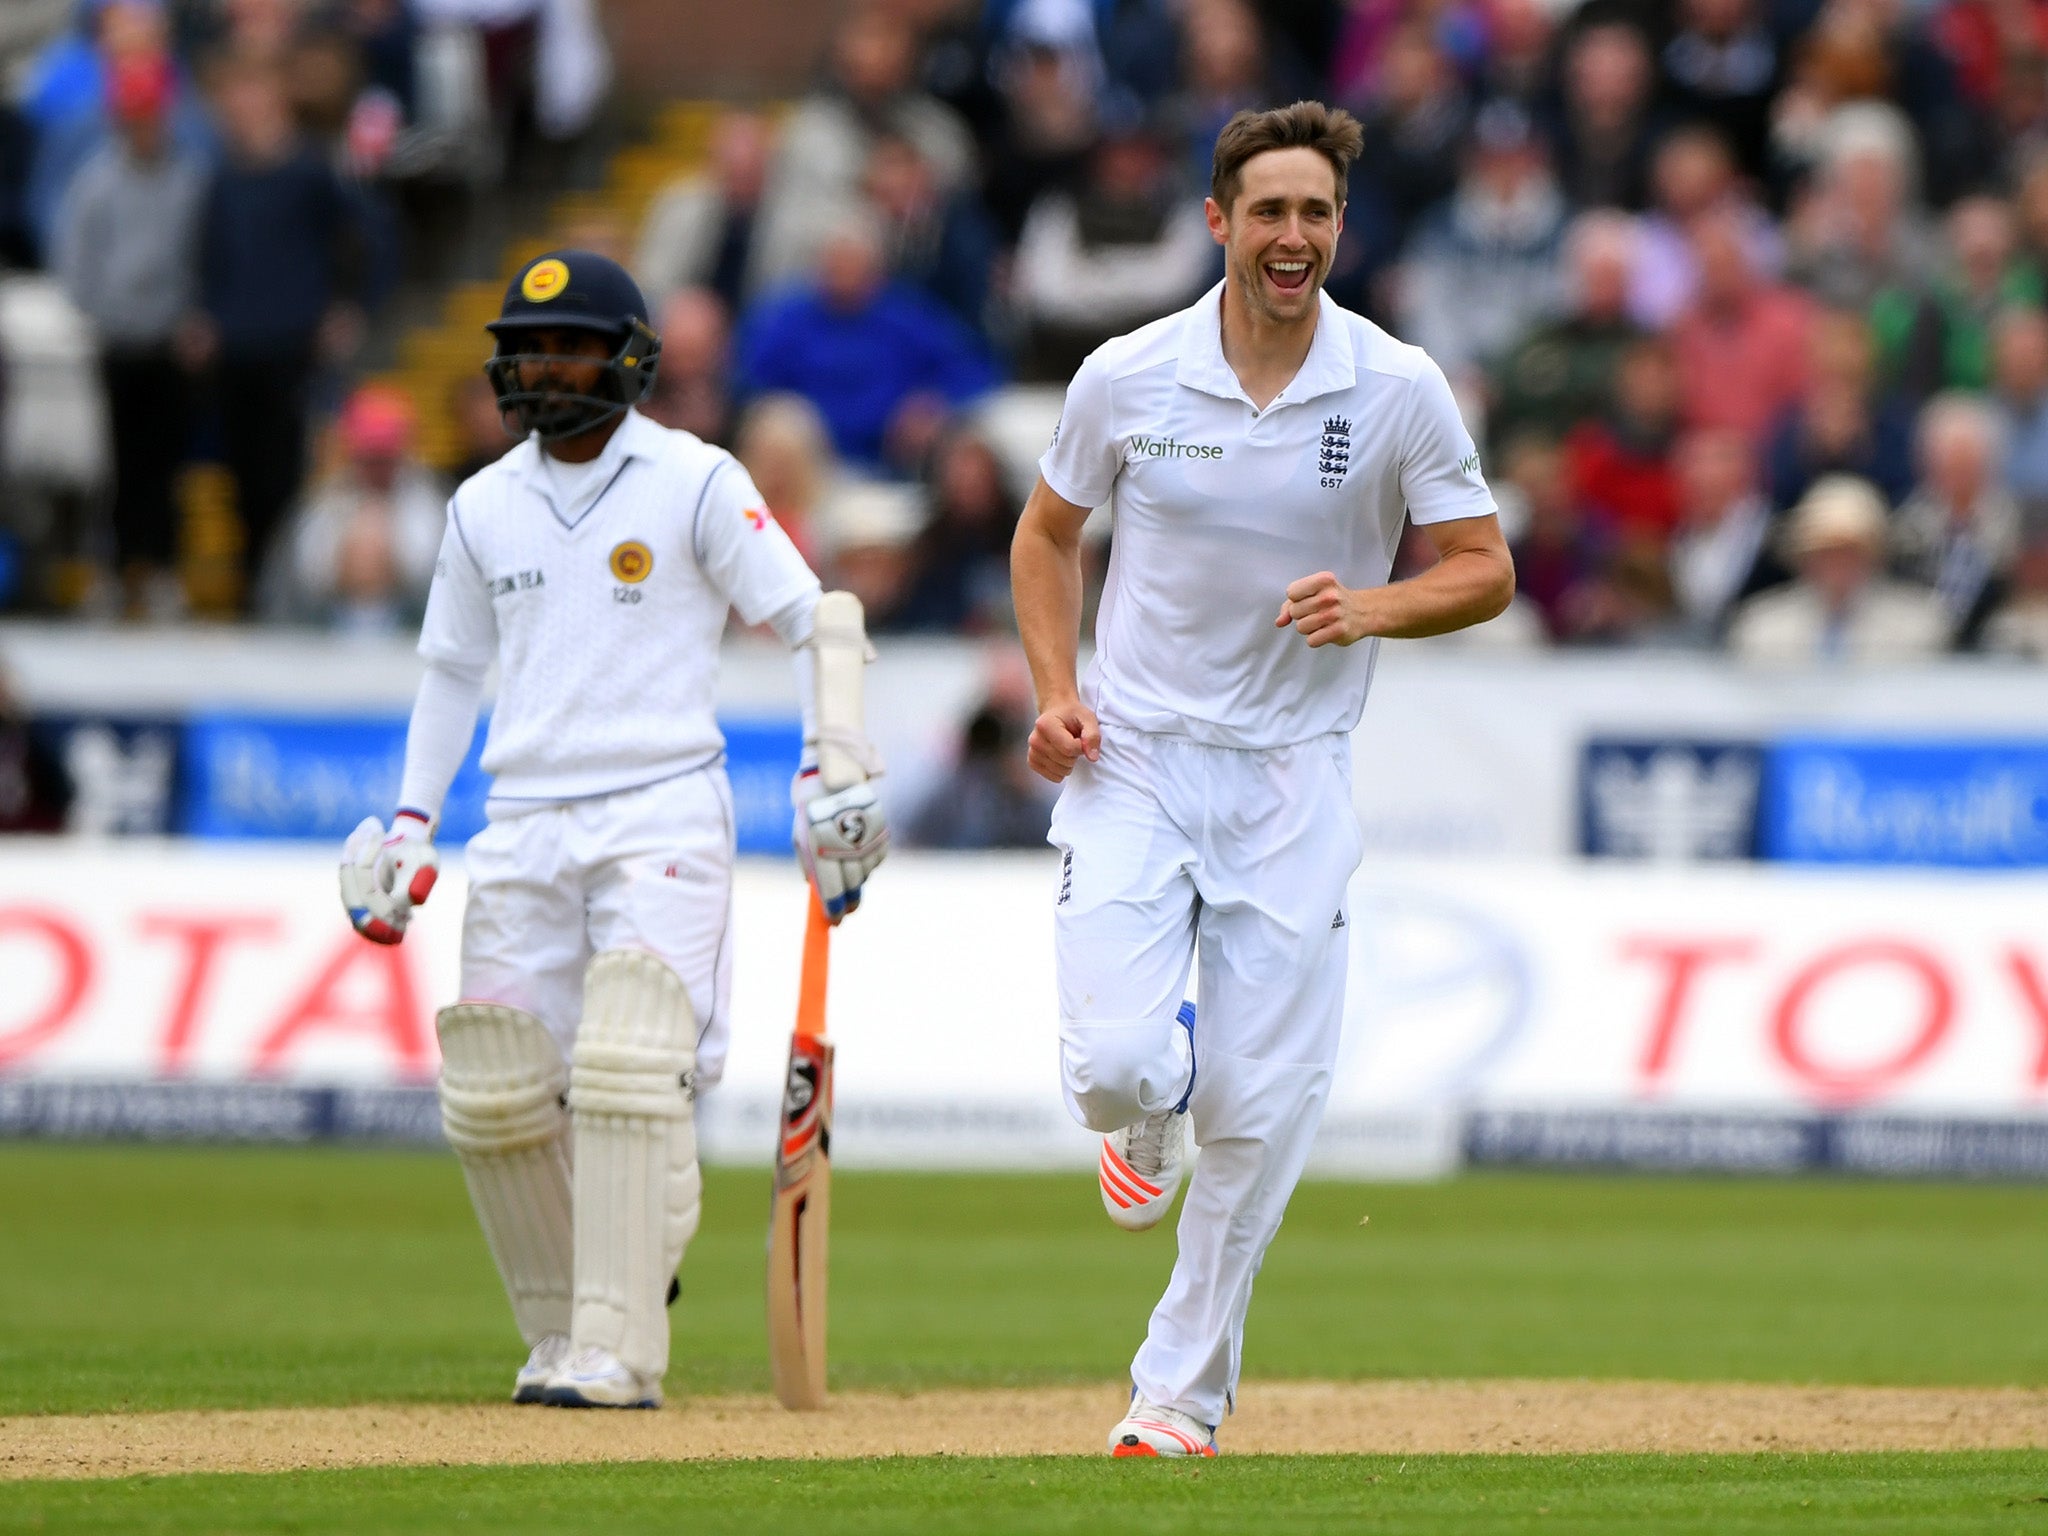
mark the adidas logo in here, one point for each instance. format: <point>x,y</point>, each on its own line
<point>1337,921</point>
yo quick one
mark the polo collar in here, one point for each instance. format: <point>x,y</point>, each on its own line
<point>636,438</point>
<point>1330,365</point>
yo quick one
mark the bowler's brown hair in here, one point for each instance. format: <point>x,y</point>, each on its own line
<point>1331,132</point>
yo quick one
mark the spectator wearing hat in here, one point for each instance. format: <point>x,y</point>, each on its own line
<point>127,253</point>
<point>867,529</point>
<point>1840,607</point>
<point>880,360</point>
<point>1125,248</point>
<point>359,555</point>
<point>1959,531</point>
<point>1483,268</point>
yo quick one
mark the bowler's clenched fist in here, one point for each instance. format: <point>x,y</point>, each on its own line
<point>1325,611</point>
<point>1064,734</point>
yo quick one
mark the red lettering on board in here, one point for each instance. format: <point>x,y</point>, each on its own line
<point>2026,980</point>
<point>1841,1085</point>
<point>387,1006</point>
<point>1683,961</point>
<point>74,977</point>
<point>203,939</point>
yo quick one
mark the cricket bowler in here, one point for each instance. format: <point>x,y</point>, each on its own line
<point>595,564</point>
<point>1260,452</point>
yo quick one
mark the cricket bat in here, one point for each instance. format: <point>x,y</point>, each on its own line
<point>799,1225</point>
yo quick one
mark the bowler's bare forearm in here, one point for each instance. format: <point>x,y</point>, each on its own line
<point>1045,583</point>
<point>1473,579</point>
<point>1466,586</point>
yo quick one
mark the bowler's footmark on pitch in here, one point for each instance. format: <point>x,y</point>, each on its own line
<point>1389,1417</point>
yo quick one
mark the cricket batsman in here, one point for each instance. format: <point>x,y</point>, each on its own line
<point>595,564</point>
<point>1260,451</point>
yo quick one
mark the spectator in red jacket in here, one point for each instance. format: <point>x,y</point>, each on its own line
<point>1620,462</point>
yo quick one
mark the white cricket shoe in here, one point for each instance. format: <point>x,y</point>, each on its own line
<point>1141,1165</point>
<point>1150,1430</point>
<point>548,1357</point>
<point>1140,1169</point>
<point>596,1378</point>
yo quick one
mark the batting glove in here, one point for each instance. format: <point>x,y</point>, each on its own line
<point>840,838</point>
<point>385,875</point>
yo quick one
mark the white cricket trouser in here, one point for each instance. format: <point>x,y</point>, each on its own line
<point>1169,845</point>
<point>646,868</point>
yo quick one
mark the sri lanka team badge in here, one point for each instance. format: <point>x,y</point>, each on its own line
<point>544,281</point>
<point>631,561</point>
<point>1333,461</point>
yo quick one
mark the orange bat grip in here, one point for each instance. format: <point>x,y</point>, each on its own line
<point>810,997</point>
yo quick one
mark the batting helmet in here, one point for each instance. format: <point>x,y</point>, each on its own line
<point>575,291</point>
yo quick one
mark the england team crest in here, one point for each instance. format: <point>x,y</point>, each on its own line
<point>1333,460</point>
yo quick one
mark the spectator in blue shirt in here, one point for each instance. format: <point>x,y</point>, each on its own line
<point>883,363</point>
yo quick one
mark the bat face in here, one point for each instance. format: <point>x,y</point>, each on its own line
<point>800,1226</point>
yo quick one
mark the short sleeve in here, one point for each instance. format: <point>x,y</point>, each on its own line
<point>743,549</point>
<point>1083,461</point>
<point>460,626</point>
<point>1440,477</point>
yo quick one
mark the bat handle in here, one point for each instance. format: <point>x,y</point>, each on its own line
<point>810,1002</point>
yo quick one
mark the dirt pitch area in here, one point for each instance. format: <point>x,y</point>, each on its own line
<point>1398,1417</point>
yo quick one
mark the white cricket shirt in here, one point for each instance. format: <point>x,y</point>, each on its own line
<point>605,616</point>
<point>1219,507</point>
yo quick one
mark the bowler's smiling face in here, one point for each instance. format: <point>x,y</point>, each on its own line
<point>1279,235</point>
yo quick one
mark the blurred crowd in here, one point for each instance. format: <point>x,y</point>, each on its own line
<point>226,192</point>
<point>1744,299</point>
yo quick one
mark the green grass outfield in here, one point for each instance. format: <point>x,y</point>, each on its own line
<point>144,1279</point>
<point>1419,1496</point>
<point>175,1278</point>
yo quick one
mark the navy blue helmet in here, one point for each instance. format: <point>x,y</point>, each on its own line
<point>577,291</point>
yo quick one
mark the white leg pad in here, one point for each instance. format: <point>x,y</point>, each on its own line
<point>502,1085</point>
<point>632,1092</point>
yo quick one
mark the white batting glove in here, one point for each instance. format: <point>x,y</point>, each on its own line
<point>840,838</point>
<point>385,875</point>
